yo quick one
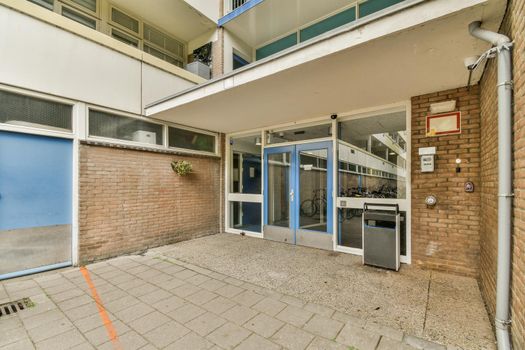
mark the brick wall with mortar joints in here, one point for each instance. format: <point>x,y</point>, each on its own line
<point>514,26</point>
<point>131,200</point>
<point>446,237</point>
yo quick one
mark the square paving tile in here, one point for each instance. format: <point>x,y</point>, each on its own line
<point>228,335</point>
<point>357,337</point>
<point>186,313</point>
<point>212,285</point>
<point>190,341</point>
<point>169,304</point>
<point>219,305</point>
<point>248,298</point>
<point>269,306</point>
<point>201,297</point>
<point>324,327</point>
<point>205,323</point>
<point>61,341</point>
<point>166,334</point>
<point>239,314</point>
<point>255,341</point>
<point>149,322</point>
<point>264,325</point>
<point>292,338</point>
<point>325,344</point>
<point>294,315</point>
<point>229,291</point>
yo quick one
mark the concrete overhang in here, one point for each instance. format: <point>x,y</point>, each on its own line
<point>385,58</point>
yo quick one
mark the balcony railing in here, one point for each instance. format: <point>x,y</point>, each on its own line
<point>237,3</point>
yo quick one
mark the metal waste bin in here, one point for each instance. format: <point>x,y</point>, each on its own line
<point>381,241</point>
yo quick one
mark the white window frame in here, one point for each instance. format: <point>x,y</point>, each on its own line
<point>120,141</point>
<point>76,6</point>
<point>61,6</point>
<point>242,197</point>
<point>165,142</point>
<point>121,27</point>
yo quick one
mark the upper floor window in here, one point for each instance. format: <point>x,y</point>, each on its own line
<point>122,26</point>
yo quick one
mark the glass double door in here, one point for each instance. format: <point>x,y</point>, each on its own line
<point>298,194</point>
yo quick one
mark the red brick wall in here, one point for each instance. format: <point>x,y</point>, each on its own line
<point>513,26</point>
<point>131,200</point>
<point>446,237</point>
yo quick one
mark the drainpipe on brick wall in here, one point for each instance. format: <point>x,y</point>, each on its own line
<point>503,46</point>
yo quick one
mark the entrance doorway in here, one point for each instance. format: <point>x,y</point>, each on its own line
<point>298,194</point>
<point>35,203</point>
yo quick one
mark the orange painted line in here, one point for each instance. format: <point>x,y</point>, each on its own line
<point>112,333</point>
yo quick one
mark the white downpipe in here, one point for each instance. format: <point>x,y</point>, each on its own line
<point>503,46</point>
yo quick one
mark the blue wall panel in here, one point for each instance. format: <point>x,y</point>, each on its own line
<point>35,181</point>
<point>371,6</point>
<point>328,24</point>
<point>276,46</point>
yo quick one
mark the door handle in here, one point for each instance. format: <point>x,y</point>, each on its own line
<point>292,195</point>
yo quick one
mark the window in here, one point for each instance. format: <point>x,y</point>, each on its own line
<point>34,112</point>
<point>123,20</point>
<point>48,4</point>
<point>238,61</point>
<point>245,216</point>
<point>163,46</point>
<point>113,126</point>
<point>126,39</point>
<point>79,17</point>
<point>245,169</point>
<point>372,156</point>
<point>90,5</point>
<point>192,140</point>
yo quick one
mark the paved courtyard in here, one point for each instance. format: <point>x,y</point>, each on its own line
<point>203,294</point>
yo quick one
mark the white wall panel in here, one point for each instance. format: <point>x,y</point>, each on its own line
<point>38,56</point>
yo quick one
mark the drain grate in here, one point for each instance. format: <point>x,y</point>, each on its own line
<point>15,306</point>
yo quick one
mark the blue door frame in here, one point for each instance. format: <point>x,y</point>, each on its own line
<point>294,183</point>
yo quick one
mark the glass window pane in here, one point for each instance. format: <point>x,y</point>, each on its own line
<point>278,189</point>
<point>300,134</point>
<point>78,17</point>
<point>48,4</point>
<point>23,110</point>
<point>245,216</point>
<point>124,128</point>
<point>245,166</point>
<point>124,20</point>
<point>182,138</point>
<point>372,157</point>
<point>126,39</point>
<point>90,5</point>
<point>312,190</point>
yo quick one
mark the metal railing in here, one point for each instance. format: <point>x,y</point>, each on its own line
<point>237,3</point>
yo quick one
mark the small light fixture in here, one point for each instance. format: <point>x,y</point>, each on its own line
<point>258,141</point>
<point>443,107</point>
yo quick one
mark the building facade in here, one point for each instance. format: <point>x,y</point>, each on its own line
<point>292,114</point>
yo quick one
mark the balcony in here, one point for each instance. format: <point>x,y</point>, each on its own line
<point>270,26</point>
<point>166,30</point>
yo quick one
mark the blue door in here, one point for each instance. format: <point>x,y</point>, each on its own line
<point>35,203</point>
<point>298,194</point>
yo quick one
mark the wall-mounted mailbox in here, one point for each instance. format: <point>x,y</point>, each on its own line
<point>427,155</point>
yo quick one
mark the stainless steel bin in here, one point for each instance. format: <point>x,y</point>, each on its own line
<point>381,239</point>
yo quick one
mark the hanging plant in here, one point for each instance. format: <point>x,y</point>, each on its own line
<point>181,167</point>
